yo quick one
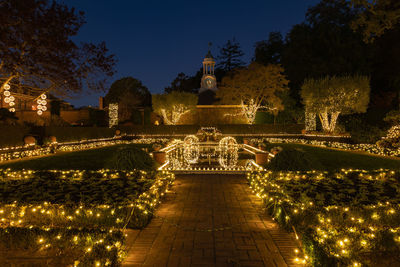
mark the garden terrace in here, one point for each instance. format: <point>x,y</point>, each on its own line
<point>350,217</point>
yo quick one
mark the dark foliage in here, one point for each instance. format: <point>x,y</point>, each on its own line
<point>294,160</point>
<point>131,159</point>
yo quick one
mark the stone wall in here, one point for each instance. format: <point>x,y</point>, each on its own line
<point>214,115</point>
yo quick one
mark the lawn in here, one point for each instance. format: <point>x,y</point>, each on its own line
<point>332,159</point>
<point>91,159</point>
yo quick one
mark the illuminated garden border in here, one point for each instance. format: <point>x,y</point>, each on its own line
<point>348,232</point>
<point>94,232</point>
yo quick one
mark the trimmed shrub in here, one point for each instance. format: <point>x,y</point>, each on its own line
<point>131,159</point>
<point>72,134</point>
<point>294,160</point>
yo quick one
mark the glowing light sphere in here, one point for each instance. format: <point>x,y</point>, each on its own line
<point>44,108</point>
<point>44,102</point>
<point>11,104</point>
<point>7,93</point>
<point>7,87</point>
<point>7,100</point>
<point>39,106</point>
<point>191,149</point>
<point>12,98</point>
<point>43,96</point>
<point>39,101</point>
<point>12,109</point>
<point>39,112</point>
<point>228,149</point>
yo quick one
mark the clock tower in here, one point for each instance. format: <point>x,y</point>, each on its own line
<point>208,81</point>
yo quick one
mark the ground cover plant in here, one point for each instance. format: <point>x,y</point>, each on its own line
<point>332,160</point>
<point>76,217</point>
<point>350,217</point>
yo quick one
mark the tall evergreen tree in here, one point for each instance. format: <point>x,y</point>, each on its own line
<point>230,56</point>
<point>269,51</point>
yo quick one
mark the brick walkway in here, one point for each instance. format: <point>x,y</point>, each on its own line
<point>179,236</point>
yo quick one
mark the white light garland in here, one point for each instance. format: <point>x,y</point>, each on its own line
<point>41,104</point>
<point>228,149</point>
<point>9,99</point>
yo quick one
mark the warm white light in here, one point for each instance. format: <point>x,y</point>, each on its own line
<point>39,112</point>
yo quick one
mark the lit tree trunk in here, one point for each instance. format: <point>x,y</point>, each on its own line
<point>328,125</point>
<point>176,114</point>
<point>249,111</point>
<point>323,116</point>
<point>332,124</point>
<point>165,117</point>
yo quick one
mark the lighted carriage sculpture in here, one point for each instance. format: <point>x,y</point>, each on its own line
<point>191,152</point>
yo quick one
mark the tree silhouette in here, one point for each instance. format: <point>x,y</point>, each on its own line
<point>130,94</point>
<point>376,17</point>
<point>269,51</point>
<point>37,53</point>
<point>230,56</point>
<point>184,83</point>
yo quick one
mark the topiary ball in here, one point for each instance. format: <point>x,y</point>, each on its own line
<point>131,159</point>
<point>294,160</point>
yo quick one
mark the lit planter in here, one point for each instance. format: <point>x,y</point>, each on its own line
<point>261,158</point>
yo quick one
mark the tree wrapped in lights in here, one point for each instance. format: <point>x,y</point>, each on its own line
<point>174,105</point>
<point>331,96</point>
<point>255,87</point>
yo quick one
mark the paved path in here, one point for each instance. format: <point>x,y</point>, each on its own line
<point>242,235</point>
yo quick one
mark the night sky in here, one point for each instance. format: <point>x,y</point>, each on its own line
<point>155,40</point>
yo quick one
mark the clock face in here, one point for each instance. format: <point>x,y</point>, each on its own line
<point>209,83</point>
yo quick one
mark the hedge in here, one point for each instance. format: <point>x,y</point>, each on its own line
<point>70,134</point>
<point>231,129</point>
<point>11,136</point>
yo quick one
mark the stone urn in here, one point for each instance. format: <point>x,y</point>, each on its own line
<point>52,139</point>
<point>29,140</point>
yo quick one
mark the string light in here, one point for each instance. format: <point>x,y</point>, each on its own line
<point>113,114</point>
<point>344,229</point>
<point>51,223</point>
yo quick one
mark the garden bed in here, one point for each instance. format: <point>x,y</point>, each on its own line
<point>76,215</point>
<point>346,218</point>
